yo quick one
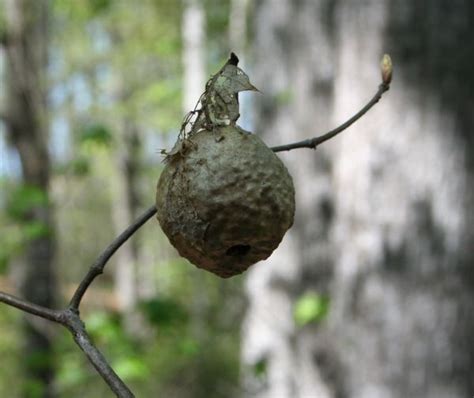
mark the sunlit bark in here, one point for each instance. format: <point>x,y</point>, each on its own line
<point>384,212</point>
<point>294,69</point>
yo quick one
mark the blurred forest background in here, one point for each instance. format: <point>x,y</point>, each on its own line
<point>370,294</point>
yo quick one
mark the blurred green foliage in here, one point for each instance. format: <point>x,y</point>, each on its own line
<point>95,134</point>
<point>115,64</point>
<point>163,312</point>
<point>283,97</point>
<point>16,206</point>
<point>310,307</point>
<point>10,343</point>
<point>22,199</point>
<point>260,368</point>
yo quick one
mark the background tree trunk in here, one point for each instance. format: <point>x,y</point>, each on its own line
<point>194,67</point>
<point>27,124</point>
<point>384,212</point>
<point>403,293</point>
<point>125,206</point>
<point>194,60</point>
<point>294,66</point>
<point>238,28</point>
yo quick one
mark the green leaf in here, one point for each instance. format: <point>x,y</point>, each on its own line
<point>104,326</point>
<point>80,167</point>
<point>131,368</point>
<point>23,199</point>
<point>71,374</point>
<point>311,307</point>
<point>260,367</point>
<point>4,260</point>
<point>11,241</point>
<point>35,229</point>
<point>98,6</point>
<point>95,134</point>
<point>163,311</point>
<point>33,388</point>
<point>161,92</point>
<point>189,346</point>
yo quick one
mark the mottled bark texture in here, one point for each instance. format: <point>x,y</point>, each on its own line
<point>403,294</point>
<point>294,68</point>
<point>384,213</point>
<point>27,124</point>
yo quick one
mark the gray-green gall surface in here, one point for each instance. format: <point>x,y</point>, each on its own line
<point>226,202</point>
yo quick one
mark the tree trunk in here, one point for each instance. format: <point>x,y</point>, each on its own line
<point>27,124</point>
<point>294,64</point>
<point>403,293</point>
<point>238,28</point>
<point>194,61</point>
<point>384,212</point>
<point>125,204</point>
<point>238,43</point>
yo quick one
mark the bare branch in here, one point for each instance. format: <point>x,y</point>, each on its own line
<point>73,322</point>
<point>70,317</point>
<point>98,267</point>
<point>30,308</point>
<point>314,142</point>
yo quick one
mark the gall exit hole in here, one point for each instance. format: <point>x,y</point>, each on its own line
<point>237,250</point>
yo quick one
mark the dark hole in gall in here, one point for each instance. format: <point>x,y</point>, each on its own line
<point>237,250</point>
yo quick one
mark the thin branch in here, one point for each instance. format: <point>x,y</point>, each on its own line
<point>75,325</point>
<point>314,142</point>
<point>98,267</point>
<point>115,383</point>
<point>71,320</point>
<point>30,308</point>
<point>70,317</point>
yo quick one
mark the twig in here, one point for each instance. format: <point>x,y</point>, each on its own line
<point>70,317</point>
<point>75,325</point>
<point>71,320</point>
<point>314,142</point>
<point>98,267</point>
<point>30,308</point>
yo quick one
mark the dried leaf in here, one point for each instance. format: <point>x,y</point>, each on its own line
<point>233,80</point>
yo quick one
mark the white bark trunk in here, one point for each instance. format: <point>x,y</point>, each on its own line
<point>399,294</point>
<point>194,61</point>
<point>238,17</point>
<point>193,32</point>
<point>395,253</point>
<point>294,70</point>
<point>238,27</point>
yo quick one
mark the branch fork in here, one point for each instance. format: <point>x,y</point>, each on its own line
<point>70,316</point>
